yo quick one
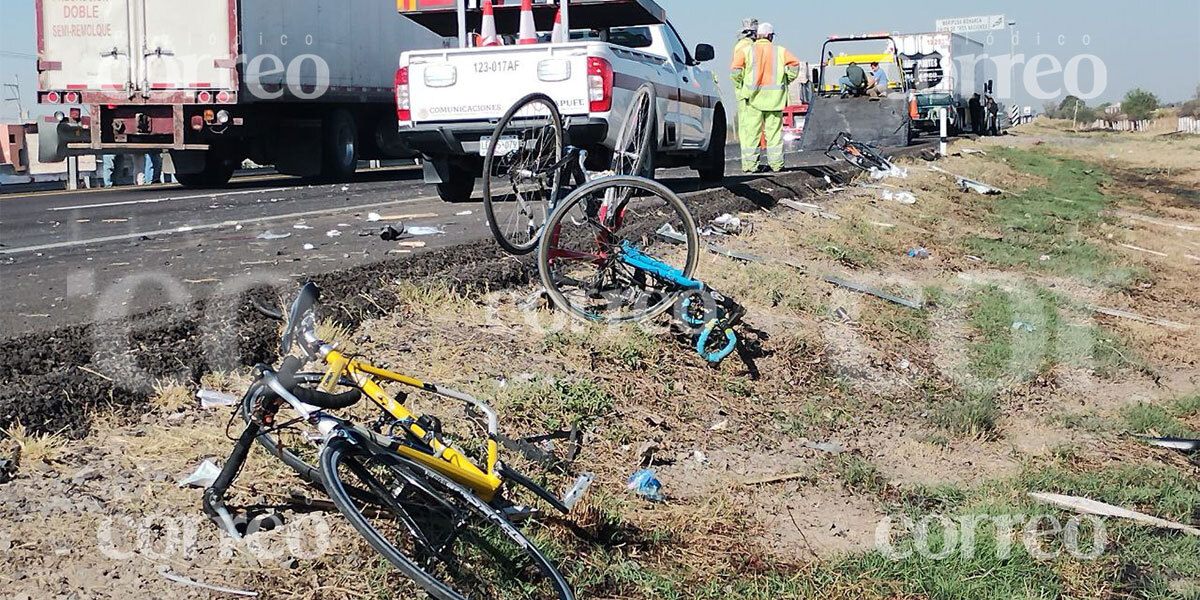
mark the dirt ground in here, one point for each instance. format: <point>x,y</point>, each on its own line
<point>1005,381</point>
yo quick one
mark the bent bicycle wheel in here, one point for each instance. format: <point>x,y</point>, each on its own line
<point>520,174</point>
<point>580,256</point>
<point>632,154</point>
<point>438,533</point>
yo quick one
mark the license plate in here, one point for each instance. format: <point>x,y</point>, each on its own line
<point>504,145</point>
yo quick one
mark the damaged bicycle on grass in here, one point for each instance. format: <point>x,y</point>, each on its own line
<point>436,513</point>
<point>596,257</point>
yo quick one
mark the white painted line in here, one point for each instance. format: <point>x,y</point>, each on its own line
<point>167,199</point>
<point>210,226</point>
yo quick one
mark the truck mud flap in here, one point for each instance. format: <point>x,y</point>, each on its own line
<point>53,140</point>
<point>883,123</point>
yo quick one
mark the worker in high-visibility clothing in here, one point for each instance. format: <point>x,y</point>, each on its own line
<point>762,72</point>
<point>746,36</point>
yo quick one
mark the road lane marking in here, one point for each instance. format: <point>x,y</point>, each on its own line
<point>167,199</point>
<point>211,226</point>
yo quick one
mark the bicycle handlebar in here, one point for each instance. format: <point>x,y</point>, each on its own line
<point>287,379</point>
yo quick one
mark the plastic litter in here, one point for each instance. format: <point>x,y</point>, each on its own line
<point>373,217</point>
<point>918,253</point>
<point>728,223</point>
<point>1022,326</point>
<point>463,213</point>
<point>213,399</point>
<point>301,226</point>
<point>309,247</point>
<point>203,476</point>
<point>901,197</point>
<point>333,233</point>
<point>894,172</point>
<point>180,579</point>
<point>645,484</point>
<point>830,447</point>
<point>577,490</point>
<point>425,230</point>
<point>271,235</point>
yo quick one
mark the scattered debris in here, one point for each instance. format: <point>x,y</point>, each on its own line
<point>578,490</point>
<point>726,224</point>
<point>902,197</point>
<point>408,217</point>
<point>967,184</point>
<point>645,484</point>
<point>874,292</point>
<point>719,425</point>
<point>203,476</point>
<point>301,226</point>
<point>1022,326</point>
<point>271,235</point>
<point>425,230</point>
<point>391,234</point>
<point>829,447</point>
<point>700,457</point>
<point>214,399</point>
<point>971,151</point>
<point>1155,221</point>
<point>412,244</point>
<point>309,247</point>
<point>973,258</point>
<point>8,468</point>
<point>1094,507</point>
<point>811,209</point>
<point>669,232</point>
<point>463,213</point>
<point>1112,312</point>
<point>918,253</point>
<point>892,172</point>
<point>373,217</point>
<point>215,588</point>
<point>1140,249</point>
<point>777,478</point>
<point>332,233</point>
<point>1182,444</point>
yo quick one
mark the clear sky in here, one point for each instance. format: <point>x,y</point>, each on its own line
<point>1154,44</point>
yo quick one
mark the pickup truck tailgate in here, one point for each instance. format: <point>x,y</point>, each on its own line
<point>482,83</point>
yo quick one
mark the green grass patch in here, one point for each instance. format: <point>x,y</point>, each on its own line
<point>556,404</point>
<point>1162,420</point>
<point>1053,221</point>
<point>860,475</point>
<point>973,413</point>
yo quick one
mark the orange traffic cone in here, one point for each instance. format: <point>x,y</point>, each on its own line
<point>487,35</point>
<point>558,35</point>
<point>528,33</point>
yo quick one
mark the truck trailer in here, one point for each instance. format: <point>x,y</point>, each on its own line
<point>946,70</point>
<point>304,85</point>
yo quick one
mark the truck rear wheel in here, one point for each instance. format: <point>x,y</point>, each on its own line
<point>339,152</point>
<point>712,168</point>
<point>218,169</point>
<point>459,185</point>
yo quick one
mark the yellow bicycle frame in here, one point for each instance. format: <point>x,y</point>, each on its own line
<point>445,459</point>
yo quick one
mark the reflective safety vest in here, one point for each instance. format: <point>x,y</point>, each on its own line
<point>740,48</point>
<point>767,91</point>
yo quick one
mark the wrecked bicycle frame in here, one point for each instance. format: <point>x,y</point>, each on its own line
<point>863,156</point>
<point>529,167</point>
<point>416,499</point>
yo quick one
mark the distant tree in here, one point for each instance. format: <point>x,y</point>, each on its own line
<point>1139,104</point>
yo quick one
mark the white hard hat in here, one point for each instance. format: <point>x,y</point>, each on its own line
<point>765,29</point>
<point>749,23</point>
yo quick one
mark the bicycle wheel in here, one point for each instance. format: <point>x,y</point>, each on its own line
<point>519,174</point>
<point>292,445</point>
<point>439,534</point>
<point>580,254</point>
<point>632,154</point>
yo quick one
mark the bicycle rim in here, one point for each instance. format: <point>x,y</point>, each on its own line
<point>445,539</point>
<point>518,182</point>
<point>578,255</point>
<point>633,142</point>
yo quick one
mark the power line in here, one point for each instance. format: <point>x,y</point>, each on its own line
<point>11,54</point>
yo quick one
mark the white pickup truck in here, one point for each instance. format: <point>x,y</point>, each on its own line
<point>449,100</point>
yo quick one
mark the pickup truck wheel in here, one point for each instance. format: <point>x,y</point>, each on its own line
<point>218,169</point>
<point>459,185</point>
<point>713,168</point>
<point>339,152</point>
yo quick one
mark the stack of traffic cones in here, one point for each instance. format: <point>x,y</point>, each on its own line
<point>528,33</point>
<point>487,35</point>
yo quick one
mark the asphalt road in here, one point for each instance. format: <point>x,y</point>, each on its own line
<point>75,257</point>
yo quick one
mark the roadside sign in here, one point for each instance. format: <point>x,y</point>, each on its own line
<point>972,24</point>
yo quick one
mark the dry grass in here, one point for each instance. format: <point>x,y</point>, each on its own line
<point>171,397</point>
<point>34,447</point>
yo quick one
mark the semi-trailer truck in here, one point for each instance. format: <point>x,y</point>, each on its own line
<point>304,85</point>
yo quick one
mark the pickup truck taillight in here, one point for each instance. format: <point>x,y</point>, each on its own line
<point>600,84</point>
<point>403,102</point>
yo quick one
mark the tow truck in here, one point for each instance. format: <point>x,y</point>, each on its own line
<point>449,100</point>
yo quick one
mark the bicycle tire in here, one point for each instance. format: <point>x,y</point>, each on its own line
<point>617,182</point>
<point>632,153</point>
<point>493,183</point>
<point>431,483</point>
